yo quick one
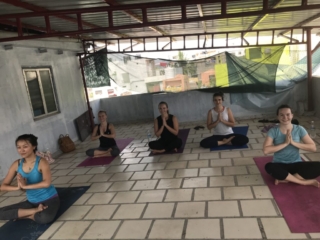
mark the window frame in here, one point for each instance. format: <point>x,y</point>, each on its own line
<point>37,70</point>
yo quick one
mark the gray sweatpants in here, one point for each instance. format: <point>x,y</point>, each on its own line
<point>46,216</point>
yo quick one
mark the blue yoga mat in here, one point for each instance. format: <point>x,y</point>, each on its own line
<point>28,229</point>
<point>243,130</point>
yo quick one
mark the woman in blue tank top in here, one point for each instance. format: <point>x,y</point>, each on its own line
<point>166,126</point>
<point>285,141</point>
<point>33,176</point>
<point>106,134</point>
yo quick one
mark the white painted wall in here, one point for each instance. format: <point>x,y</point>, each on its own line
<point>316,96</point>
<point>95,105</point>
<point>16,116</point>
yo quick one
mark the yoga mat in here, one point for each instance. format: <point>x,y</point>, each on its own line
<point>298,204</point>
<point>238,130</point>
<point>183,134</point>
<point>98,161</point>
<point>30,230</point>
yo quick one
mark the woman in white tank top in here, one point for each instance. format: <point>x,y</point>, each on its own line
<point>221,120</point>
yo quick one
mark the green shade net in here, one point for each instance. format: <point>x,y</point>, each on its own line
<point>96,71</point>
<point>247,70</point>
<point>288,76</point>
<point>254,75</point>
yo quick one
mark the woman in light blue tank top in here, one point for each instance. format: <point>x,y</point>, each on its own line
<point>285,141</point>
<point>33,176</point>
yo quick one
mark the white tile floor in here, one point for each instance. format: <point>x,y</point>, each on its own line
<point>195,195</point>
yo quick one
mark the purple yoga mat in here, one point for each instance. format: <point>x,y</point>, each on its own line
<point>121,143</point>
<point>183,134</point>
<point>298,204</point>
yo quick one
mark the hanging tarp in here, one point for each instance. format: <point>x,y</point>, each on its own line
<point>247,70</point>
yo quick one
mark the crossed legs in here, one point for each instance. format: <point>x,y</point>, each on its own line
<point>103,152</point>
<point>161,146</point>
<point>41,213</point>
<point>230,139</point>
<point>302,173</point>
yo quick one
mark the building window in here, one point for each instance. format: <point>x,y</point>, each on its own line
<point>41,91</point>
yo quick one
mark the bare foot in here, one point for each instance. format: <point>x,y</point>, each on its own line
<point>276,182</point>
<point>227,141</point>
<point>41,207</point>
<point>316,183</point>
<point>311,182</point>
<point>158,151</point>
<point>109,150</point>
<point>106,154</point>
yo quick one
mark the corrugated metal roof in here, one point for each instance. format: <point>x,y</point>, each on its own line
<point>100,19</point>
<point>67,4</point>
<point>244,6</point>
<point>10,9</point>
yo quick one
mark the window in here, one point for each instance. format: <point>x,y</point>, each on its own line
<point>41,91</point>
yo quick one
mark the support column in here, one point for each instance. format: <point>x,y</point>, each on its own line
<point>309,70</point>
<point>86,92</point>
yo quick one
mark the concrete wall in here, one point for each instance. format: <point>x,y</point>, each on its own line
<point>128,109</point>
<point>186,106</point>
<point>17,118</point>
<point>192,105</point>
<point>316,95</point>
<point>95,105</point>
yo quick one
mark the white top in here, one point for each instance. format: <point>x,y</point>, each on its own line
<point>221,129</point>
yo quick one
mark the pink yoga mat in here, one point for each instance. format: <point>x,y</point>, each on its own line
<point>298,204</point>
<point>99,161</point>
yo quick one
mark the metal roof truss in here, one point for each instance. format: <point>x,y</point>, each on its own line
<point>145,10</point>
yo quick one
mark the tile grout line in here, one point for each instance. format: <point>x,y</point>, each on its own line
<point>275,206</point>
<point>263,233</point>
<point>50,237</point>
<point>150,228</point>
<point>165,195</point>
<point>239,208</point>
<point>118,228</point>
<point>221,228</point>
<point>146,205</point>
<point>184,229</point>
<point>86,229</point>
<point>138,196</point>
